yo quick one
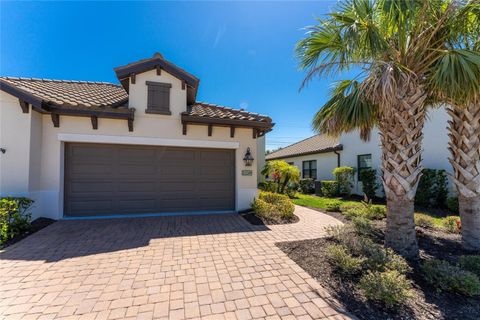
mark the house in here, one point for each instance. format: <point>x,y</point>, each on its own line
<point>317,156</point>
<point>96,149</point>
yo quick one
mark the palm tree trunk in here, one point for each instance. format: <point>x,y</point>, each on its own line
<point>464,145</point>
<point>401,127</point>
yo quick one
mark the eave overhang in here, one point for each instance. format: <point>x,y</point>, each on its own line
<point>326,150</point>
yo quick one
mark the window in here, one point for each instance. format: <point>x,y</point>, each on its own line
<point>309,169</point>
<point>158,97</point>
<point>364,162</point>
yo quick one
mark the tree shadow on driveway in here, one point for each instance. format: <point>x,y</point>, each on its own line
<point>77,238</point>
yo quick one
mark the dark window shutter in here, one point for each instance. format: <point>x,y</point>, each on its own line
<point>158,97</point>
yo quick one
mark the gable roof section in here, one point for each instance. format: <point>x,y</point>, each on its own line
<point>158,61</point>
<point>313,145</point>
<point>65,93</point>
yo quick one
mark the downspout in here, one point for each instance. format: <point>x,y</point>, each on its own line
<point>338,157</point>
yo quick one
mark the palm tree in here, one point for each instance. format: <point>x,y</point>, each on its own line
<point>394,44</point>
<point>461,91</point>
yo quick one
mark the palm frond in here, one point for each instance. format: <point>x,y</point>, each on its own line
<point>347,109</point>
<point>456,76</point>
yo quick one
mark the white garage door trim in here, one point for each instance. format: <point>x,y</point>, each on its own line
<point>90,138</point>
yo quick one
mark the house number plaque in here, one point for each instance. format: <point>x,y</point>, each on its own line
<point>246,172</point>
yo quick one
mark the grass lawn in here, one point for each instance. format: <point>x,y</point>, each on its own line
<point>437,221</point>
<point>313,201</point>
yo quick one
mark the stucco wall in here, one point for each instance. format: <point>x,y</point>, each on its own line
<point>44,169</point>
<point>326,162</point>
<point>15,131</point>
<point>435,145</point>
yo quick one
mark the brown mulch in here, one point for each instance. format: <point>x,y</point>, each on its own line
<point>36,225</point>
<point>251,217</point>
<point>427,304</point>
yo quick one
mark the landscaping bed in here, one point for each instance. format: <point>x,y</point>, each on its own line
<point>426,301</point>
<point>251,217</point>
<point>35,225</point>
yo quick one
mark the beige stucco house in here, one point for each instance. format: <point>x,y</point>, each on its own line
<point>95,149</point>
<point>317,156</point>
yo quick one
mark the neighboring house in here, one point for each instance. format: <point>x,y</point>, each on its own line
<point>95,149</point>
<point>317,156</point>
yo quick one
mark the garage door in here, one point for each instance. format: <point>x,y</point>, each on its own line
<point>103,179</point>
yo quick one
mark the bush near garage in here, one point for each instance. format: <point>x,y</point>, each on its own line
<point>273,206</point>
<point>14,217</point>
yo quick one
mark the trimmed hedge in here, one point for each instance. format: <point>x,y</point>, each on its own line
<point>273,206</point>
<point>329,188</point>
<point>307,186</point>
<point>368,178</point>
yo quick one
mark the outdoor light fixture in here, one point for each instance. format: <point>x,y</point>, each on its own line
<point>248,159</point>
<point>3,150</point>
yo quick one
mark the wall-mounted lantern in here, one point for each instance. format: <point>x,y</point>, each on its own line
<point>3,150</point>
<point>248,159</point>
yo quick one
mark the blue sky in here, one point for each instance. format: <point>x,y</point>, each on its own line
<point>243,52</point>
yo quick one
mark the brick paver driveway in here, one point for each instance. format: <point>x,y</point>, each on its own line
<point>210,267</point>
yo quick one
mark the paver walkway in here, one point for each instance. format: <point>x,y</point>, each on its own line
<point>192,267</point>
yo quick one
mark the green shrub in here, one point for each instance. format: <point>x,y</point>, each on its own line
<point>424,221</point>
<point>362,226</point>
<point>441,189</point>
<point>452,204</point>
<point>329,188</point>
<point>333,206</point>
<point>380,258</point>
<point>273,206</point>
<point>366,210</point>
<point>343,261</point>
<point>389,288</point>
<point>268,186</point>
<point>344,177</point>
<point>347,206</point>
<point>369,182</point>
<point>307,186</point>
<point>447,277</point>
<point>432,189</point>
<point>452,224</point>
<point>14,217</point>
<point>471,263</point>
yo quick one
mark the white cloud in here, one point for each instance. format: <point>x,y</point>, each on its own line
<point>220,33</point>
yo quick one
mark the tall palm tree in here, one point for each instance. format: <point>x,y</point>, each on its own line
<point>394,44</point>
<point>461,91</point>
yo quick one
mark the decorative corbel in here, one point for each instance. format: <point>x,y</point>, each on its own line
<point>24,105</point>
<point>130,124</point>
<point>94,122</point>
<point>55,119</point>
